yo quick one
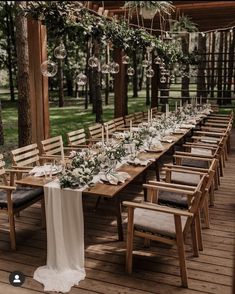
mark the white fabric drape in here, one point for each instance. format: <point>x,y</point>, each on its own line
<point>65,239</point>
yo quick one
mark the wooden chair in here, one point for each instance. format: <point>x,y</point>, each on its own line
<point>119,124</point>
<point>26,157</point>
<point>77,139</point>
<point>164,224</point>
<point>95,132</point>
<point>139,117</point>
<point>53,149</point>
<point>128,118</point>
<point>110,126</point>
<point>14,199</point>
<point>178,174</point>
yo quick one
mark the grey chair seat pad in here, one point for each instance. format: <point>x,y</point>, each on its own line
<point>185,178</point>
<point>159,223</point>
<point>21,196</point>
<point>173,199</point>
<point>194,163</point>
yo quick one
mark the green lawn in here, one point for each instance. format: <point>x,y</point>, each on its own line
<point>63,120</point>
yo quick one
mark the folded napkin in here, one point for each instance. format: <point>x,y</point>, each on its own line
<point>168,139</point>
<point>39,171</point>
<point>137,161</point>
<point>114,178</point>
<point>187,126</point>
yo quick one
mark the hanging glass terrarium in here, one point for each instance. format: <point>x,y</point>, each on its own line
<point>49,68</point>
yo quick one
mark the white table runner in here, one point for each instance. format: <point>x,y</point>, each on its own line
<point>65,239</point>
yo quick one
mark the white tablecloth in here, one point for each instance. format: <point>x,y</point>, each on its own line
<point>65,239</point>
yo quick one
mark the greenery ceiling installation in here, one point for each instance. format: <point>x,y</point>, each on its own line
<point>71,19</point>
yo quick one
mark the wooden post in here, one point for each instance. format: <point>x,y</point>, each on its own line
<point>201,86</point>
<point>120,86</point>
<point>185,80</point>
<point>37,43</point>
<point>220,69</point>
<point>155,85</point>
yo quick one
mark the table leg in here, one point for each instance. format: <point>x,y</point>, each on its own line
<point>118,211</point>
<point>157,170</point>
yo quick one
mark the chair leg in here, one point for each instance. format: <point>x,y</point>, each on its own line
<point>129,241</point>
<point>12,230</point>
<point>212,193</point>
<point>199,231</point>
<point>205,210</point>
<point>181,251</point>
<point>194,240</point>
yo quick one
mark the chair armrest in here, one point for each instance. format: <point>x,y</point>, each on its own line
<point>193,156</point>
<point>191,168</point>
<point>21,171</point>
<point>8,188</point>
<point>159,208</point>
<point>182,170</point>
<point>201,144</point>
<point>16,167</point>
<point>169,187</point>
<point>210,133</point>
<point>194,145</point>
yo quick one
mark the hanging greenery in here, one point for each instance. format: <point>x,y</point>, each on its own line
<point>70,18</point>
<point>184,24</point>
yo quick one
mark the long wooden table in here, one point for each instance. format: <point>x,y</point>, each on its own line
<point>112,191</point>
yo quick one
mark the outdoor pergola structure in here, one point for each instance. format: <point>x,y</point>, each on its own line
<point>209,15</point>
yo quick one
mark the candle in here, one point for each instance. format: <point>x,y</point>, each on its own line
<point>102,135</point>
<point>180,103</point>
<point>207,101</point>
<point>148,116</point>
<point>107,133</point>
<point>176,106</point>
<point>131,128</point>
<point>167,109</point>
<point>151,115</point>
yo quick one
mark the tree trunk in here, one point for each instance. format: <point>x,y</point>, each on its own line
<point>1,127</point>
<point>185,80</point>
<point>154,85</point>
<point>107,79</point>
<point>9,53</point>
<point>230,65</point>
<point>219,69</point>
<point>212,83</point>
<point>201,84</point>
<point>87,74</point>
<point>135,76</point>
<point>225,62</point>
<point>97,86</point>
<point>24,111</point>
<point>147,91</point>
<point>61,83</point>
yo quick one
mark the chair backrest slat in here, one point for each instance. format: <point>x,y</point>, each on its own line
<point>26,156</point>
<point>77,137</point>
<point>95,132</point>
<point>53,146</point>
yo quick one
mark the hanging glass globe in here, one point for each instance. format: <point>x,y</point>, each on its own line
<point>81,79</point>
<point>60,52</point>
<point>163,71</point>
<point>149,72</point>
<point>114,67</point>
<point>130,71</point>
<point>172,78</point>
<point>145,63</point>
<point>93,61</point>
<point>105,68</point>
<point>167,73</point>
<point>49,68</point>
<point>103,84</point>
<point>163,80</point>
<point>157,60</point>
<point>125,59</point>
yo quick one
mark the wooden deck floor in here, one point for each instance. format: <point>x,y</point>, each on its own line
<point>156,270</point>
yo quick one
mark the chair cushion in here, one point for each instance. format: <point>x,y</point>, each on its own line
<point>194,163</point>
<point>173,199</point>
<point>201,151</point>
<point>156,222</point>
<point>185,178</point>
<point>21,196</point>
